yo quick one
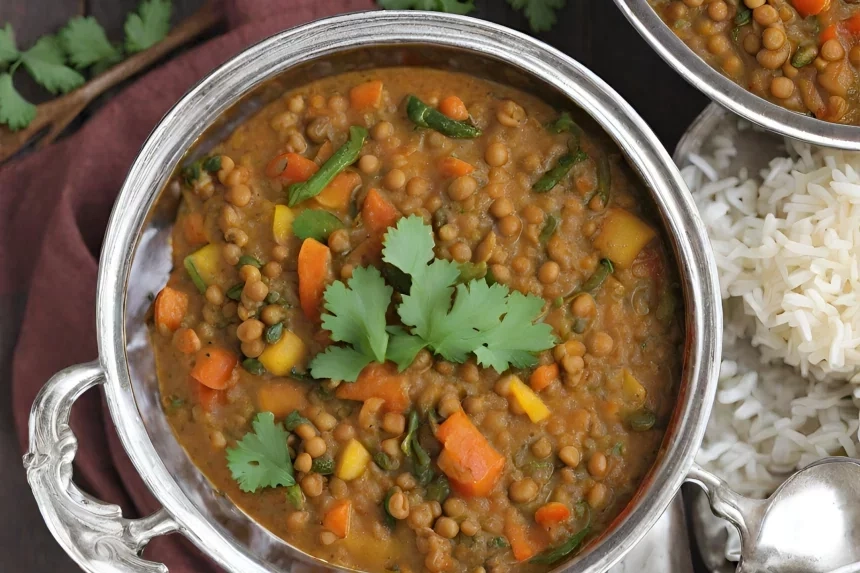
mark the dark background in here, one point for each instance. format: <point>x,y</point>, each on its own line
<point>593,32</point>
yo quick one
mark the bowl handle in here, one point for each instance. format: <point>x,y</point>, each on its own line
<point>92,532</point>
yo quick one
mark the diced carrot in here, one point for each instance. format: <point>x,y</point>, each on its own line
<point>336,519</point>
<point>453,107</point>
<point>194,230</point>
<point>378,381</point>
<point>810,7</point>
<point>543,376</point>
<point>368,94</point>
<point>378,213</point>
<point>852,25</point>
<point>281,398</point>
<point>453,167</point>
<point>208,398</point>
<point>170,308</point>
<point>291,168</point>
<point>325,151</point>
<point>314,270</point>
<point>471,463</point>
<point>337,193</point>
<point>552,513</point>
<point>186,341</point>
<point>525,543</point>
<point>214,367</point>
<point>829,33</point>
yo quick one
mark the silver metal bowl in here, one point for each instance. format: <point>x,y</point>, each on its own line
<point>726,92</point>
<point>135,262</point>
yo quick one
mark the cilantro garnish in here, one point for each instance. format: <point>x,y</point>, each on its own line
<point>356,315</point>
<point>46,63</point>
<point>86,43</point>
<point>261,459</point>
<point>440,313</point>
<point>541,13</point>
<point>148,26</point>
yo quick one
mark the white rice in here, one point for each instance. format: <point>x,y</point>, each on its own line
<point>787,245</point>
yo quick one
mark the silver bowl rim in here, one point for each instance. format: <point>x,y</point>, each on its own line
<point>213,95</point>
<point>728,93</point>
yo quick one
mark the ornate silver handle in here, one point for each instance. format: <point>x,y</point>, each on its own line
<point>92,532</point>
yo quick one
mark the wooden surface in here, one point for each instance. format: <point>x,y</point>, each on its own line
<point>592,31</point>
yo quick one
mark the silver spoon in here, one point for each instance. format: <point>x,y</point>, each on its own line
<point>811,523</point>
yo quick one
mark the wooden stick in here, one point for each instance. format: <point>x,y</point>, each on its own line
<point>56,114</point>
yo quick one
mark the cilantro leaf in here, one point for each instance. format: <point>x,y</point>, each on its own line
<point>477,308</point>
<point>46,63</point>
<point>450,6</point>
<point>516,338</point>
<point>8,50</point>
<point>148,26</point>
<point>15,111</point>
<point>86,43</point>
<point>261,459</point>
<point>403,347</point>
<point>339,363</point>
<point>541,13</point>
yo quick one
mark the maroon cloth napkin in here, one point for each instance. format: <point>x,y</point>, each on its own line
<point>54,206</point>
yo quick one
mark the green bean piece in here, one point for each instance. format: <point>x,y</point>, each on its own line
<point>385,462</point>
<point>804,55</point>
<point>744,15</point>
<point>340,160</point>
<point>295,496</point>
<point>390,521</point>
<point>596,280</point>
<point>548,228</point>
<point>554,176</point>
<point>438,490</point>
<point>249,260</point>
<point>274,333</point>
<point>564,124</point>
<point>294,420</point>
<point>191,268</point>
<point>406,445</point>
<point>556,554</point>
<point>253,366</point>
<point>323,466</point>
<point>642,420</point>
<point>235,291</point>
<point>423,115</point>
<point>315,224</point>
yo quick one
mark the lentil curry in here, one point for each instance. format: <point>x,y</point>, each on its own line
<point>499,258</point>
<point>800,54</point>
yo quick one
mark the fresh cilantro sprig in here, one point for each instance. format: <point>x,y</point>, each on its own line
<point>356,316</point>
<point>541,14</point>
<point>451,318</point>
<point>56,62</point>
<point>261,458</point>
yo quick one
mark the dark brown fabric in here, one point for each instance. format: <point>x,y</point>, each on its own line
<point>54,207</point>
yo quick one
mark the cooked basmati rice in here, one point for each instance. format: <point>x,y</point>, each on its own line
<point>787,246</point>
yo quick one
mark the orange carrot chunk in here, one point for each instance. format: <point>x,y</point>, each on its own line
<point>453,167</point>
<point>472,465</point>
<point>810,7</point>
<point>336,519</point>
<point>170,308</point>
<point>368,94</point>
<point>552,513</point>
<point>336,194</point>
<point>543,376</point>
<point>186,341</point>
<point>314,269</point>
<point>208,398</point>
<point>829,33</point>
<point>291,168</point>
<point>851,25</point>
<point>325,151</point>
<point>525,544</point>
<point>214,367</point>
<point>378,213</point>
<point>378,381</point>
<point>194,229</point>
<point>453,107</point>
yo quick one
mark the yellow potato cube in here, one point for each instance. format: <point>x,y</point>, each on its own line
<point>634,392</point>
<point>529,401</point>
<point>282,356</point>
<point>203,266</point>
<point>622,236</point>
<point>352,461</point>
<point>282,225</point>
